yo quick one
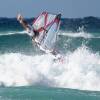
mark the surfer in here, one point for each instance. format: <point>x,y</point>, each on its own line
<point>45,43</point>
<point>30,30</point>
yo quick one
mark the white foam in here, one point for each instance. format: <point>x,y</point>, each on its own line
<point>80,34</point>
<point>69,34</point>
<point>13,32</point>
<point>80,70</point>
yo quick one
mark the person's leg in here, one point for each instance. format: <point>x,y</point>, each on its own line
<point>22,21</point>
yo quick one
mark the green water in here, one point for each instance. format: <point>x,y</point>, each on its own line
<point>44,93</point>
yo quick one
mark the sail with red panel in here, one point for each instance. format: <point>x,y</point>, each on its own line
<point>47,25</point>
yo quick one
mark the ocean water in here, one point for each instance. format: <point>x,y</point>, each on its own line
<point>27,73</point>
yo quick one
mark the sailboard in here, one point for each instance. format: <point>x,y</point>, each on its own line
<point>47,24</point>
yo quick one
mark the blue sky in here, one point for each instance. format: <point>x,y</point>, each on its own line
<point>68,8</point>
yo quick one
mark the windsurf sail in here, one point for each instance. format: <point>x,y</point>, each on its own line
<point>47,25</point>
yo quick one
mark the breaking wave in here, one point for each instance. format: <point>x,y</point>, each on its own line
<point>80,70</point>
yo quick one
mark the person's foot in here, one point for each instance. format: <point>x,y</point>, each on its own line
<point>19,17</point>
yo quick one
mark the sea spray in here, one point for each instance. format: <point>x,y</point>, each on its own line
<point>80,70</point>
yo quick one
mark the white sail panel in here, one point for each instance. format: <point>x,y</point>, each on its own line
<point>39,22</point>
<point>50,18</point>
<point>47,25</point>
<point>49,41</point>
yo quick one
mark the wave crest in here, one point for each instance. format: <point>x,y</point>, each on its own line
<point>80,70</point>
